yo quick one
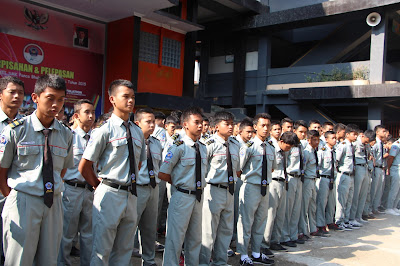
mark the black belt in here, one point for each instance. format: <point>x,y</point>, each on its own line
<point>114,185</point>
<point>190,192</point>
<point>326,176</point>
<point>74,184</point>
<point>361,164</point>
<point>219,185</point>
<point>143,185</point>
<point>279,179</point>
<point>345,173</point>
<point>295,175</point>
<point>379,167</point>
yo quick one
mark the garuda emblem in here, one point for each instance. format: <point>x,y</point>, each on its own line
<point>36,20</point>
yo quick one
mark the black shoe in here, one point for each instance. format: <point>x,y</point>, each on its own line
<point>382,209</point>
<point>289,244</point>
<point>263,259</point>
<point>365,217</point>
<point>300,241</point>
<point>267,252</point>
<point>231,253</point>
<point>277,247</point>
<point>75,252</point>
<point>159,247</point>
<point>246,262</point>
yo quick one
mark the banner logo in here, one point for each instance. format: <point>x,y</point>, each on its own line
<point>35,19</point>
<point>33,53</point>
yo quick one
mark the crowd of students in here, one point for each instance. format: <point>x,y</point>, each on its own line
<point>215,184</point>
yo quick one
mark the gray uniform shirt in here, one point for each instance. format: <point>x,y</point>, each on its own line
<point>180,163</point>
<point>360,151</point>
<point>79,144</point>
<point>394,151</point>
<point>278,167</point>
<point>22,148</point>
<point>344,156</point>
<point>217,172</point>
<point>377,152</point>
<point>251,158</point>
<point>325,160</point>
<point>4,117</point>
<point>109,147</point>
<point>240,140</point>
<point>160,134</point>
<point>294,160</point>
<point>310,163</point>
<point>156,153</point>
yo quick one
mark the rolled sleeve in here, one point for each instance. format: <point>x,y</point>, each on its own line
<point>7,147</point>
<point>171,159</point>
<point>96,146</point>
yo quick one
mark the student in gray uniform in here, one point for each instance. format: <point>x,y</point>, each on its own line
<point>257,158</point>
<point>78,194</point>
<point>277,192</point>
<point>327,126</point>
<point>118,147</point>
<point>387,178</point>
<point>367,212</point>
<point>307,222</point>
<point>295,170</point>
<point>185,167</point>
<point>159,131</point>
<point>287,124</point>
<point>326,184</point>
<point>223,170</point>
<point>340,131</point>
<point>11,97</point>
<point>378,151</point>
<point>345,157</point>
<point>361,176</point>
<point>394,171</point>
<point>147,187</point>
<point>33,152</point>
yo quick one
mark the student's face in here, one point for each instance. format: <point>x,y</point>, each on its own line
<point>301,132</point>
<point>236,129</point>
<point>123,99</point>
<point>225,128</point>
<point>206,126</point>
<point>61,115</point>
<point>147,123</point>
<point>287,127</point>
<point>170,128</point>
<point>12,96</point>
<point>86,115</point>
<point>340,134</point>
<point>331,139</point>
<point>276,131</point>
<point>194,125</point>
<point>364,139</point>
<point>160,122</point>
<point>315,126</point>
<point>314,142</point>
<point>352,136</point>
<point>328,128</point>
<point>49,102</point>
<point>284,146</point>
<point>247,133</point>
<point>263,127</point>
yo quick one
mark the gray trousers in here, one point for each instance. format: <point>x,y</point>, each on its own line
<point>31,231</point>
<point>147,209</point>
<point>276,213</point>
<point>331,206</point>
<point>387,184</point>
<point>77,206</point>
<point>217,225</point>
<point>114,218</point>
<point>183,225</point>
<point>394,187</point>
<point>293,208</point>
<point>367,206</point>
<point>307,222</point>
<point>376,188</point>
<point>162,205</point>
<point>238,184</point>
<point>323,193</point>
<point>360,192</point>
<point>253,210</point>
<point>344,197</point>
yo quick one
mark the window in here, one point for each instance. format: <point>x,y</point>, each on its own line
<point>149,47</point>
<point>171,53</point>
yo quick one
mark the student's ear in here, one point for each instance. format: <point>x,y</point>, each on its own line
<point>137,123</point>
<point>111,98</point>
<point>34,97</point>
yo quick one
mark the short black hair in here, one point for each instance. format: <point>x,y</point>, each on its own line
<point>379,127</point>
<point>339,127</point>
<point>261,115</point>
<point>191,111</point>
<point>78,105</point>
<point>139,113</point>
<point>327,133</point>
<point>275,122</point>
<point>391,140</point>
<point>327,123</point>
<point>171,120</point>
<point>290,138</point>
<point>370,134</point>
<point>222,116</point>
<point>299,123</point>
<point>159,115</point>
<point>286,120</point>
<point>205,119</point>
<point>50,81</point>
<point>177,114</point>
<point>119,82</point>
<point>312,133</point>
<point>9,79</point>
<point>314,121</point>
<point>352,128</point>
<point>246,122</point>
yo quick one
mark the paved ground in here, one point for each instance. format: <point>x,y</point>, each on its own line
<point>377,243</point>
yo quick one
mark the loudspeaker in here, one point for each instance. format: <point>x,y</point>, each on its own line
<point>373,19</point>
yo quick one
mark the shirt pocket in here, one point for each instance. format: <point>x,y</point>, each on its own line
<point>137,149</point>
<point>27,155</point>
<point>188,162</point>
<point>59,155</point>
<point>120,148</point>
<point>156,158</point>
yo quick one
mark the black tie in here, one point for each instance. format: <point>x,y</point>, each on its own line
<point>47,171</point>
<point>316,162</point>
<point>301,164</point>
<point>231,184</point>
<point>150,166</point>
<point>87,137</point>
<point>366,154</point>
<point>332,171</point>
<point>382,152</point>
<point>284,170</point>
<point>354,158</point>
<point>198,172</point>
<point>264,182</point>
<point>132,171</point>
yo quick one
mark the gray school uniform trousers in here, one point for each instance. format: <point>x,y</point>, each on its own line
<point>394,192</point>
<point>376,188</point>
<point>323,194</point>
<point>293,208</point>
<point>344,197</point>
<point>331,206</point>
<point>307,222</point>
<point>360,192</point>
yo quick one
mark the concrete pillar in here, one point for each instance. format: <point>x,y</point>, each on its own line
<point>264,62</point>
<point>375,115</point>
<point>378,52</point>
